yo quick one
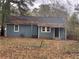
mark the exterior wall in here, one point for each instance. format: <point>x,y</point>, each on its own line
<point>45,34</point>
<point>33,31</point>
<point>51,35</point>
<point>24,30</point>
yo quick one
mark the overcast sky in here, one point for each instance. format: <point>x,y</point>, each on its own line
<point>38,2</point>
<point>72,2</point>
<point>65,2</point>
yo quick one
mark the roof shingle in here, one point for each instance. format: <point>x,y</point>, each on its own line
<point>40,21</point>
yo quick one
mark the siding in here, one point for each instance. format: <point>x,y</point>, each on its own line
<point>45,34</point>
<point>32,30</point>
<point>51,34</point>
<point>24,30</point>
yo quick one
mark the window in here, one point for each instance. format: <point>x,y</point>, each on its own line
<point>16,28</point>
<point>48,29</point>
<point>45,29</point>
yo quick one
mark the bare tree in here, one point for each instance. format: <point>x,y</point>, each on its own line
<point>35,12</point>
<point>72,25</point>
<point>44,10</point>
<point>5,6</point>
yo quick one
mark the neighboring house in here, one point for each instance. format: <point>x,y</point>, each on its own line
<point>39,27</point>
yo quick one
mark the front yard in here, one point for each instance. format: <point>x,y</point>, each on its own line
<point>28,48</point>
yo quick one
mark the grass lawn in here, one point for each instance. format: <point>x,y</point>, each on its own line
<point>28,48</point>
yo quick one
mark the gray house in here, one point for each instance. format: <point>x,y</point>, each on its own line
<point>38,27</point>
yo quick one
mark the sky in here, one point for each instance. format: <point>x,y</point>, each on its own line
<point>71,7</point>
<point>38,2</point>
<point>72,3</point>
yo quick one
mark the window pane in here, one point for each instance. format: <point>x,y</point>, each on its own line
<point>43,28</point>
<point>16,27</point>
<point>48,28</point>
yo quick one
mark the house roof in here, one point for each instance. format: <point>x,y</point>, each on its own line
<point>40,21</point>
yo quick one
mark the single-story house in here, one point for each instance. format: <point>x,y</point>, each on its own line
<point>39,27</point>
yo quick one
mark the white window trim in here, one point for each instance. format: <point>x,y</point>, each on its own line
<point>49,29</point>
<point>42,29</point>
<point>15,30</point>
<point>45,30</point>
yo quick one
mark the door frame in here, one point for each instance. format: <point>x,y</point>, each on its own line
<point>58,34</point>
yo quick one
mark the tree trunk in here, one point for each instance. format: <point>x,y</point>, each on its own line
<point>5,14</point>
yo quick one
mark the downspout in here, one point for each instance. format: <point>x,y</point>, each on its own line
<point>38,32</point>
<point>54,33</point>
<point>59,33</point>
<point>32,29</point>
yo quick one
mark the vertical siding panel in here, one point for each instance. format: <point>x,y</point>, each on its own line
<point>28,31</point>
<point>24,30</point>
<point>45,34</point>
<point>35,30</point>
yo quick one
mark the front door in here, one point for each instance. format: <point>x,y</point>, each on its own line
<point>56,33</point>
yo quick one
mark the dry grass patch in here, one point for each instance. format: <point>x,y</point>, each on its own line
<point>28,48</point>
